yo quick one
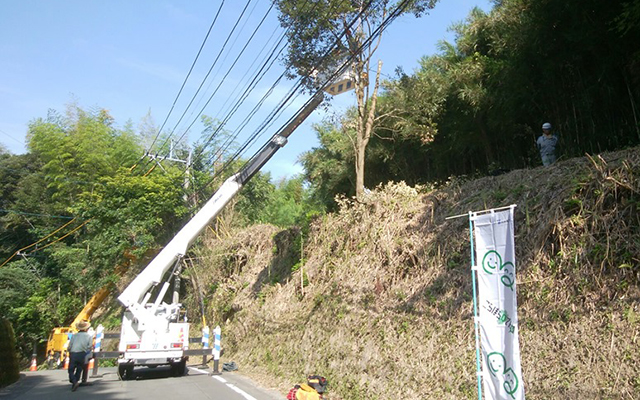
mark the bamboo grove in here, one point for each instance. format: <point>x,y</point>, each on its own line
<point>477,105</point>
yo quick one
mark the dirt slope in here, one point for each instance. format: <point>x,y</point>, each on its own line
<point>380,301</point>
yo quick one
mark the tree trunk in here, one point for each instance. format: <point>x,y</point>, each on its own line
<point>366,114</point>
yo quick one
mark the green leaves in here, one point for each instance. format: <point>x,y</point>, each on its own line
<point>329,168</point>
<point>78,166</point>
<point>76,151</point>
<point>477,105</point>
<point>16,285</point>
<point>322,34</point>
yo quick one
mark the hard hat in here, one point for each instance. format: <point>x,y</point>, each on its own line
<point>546,126</point>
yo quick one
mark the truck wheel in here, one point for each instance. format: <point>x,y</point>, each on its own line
<point>178,369</point>
<point>125,372</point>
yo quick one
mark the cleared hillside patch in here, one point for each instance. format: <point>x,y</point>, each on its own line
<point>377,297</point>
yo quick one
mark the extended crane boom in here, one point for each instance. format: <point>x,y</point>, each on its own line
<point>151,333</point>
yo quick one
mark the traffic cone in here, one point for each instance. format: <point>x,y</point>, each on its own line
<point>91,364</point>
<point>34,365</point>
<point>66,363</point>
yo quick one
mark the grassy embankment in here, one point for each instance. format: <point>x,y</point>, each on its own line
<point>380,301</point>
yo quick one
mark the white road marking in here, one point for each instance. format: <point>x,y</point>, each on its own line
<point>198,370</point>
<point>230,385</point>
<point>241,392</point>
<point>221,379</point>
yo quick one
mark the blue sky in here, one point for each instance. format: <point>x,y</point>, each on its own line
<point>131,58</point>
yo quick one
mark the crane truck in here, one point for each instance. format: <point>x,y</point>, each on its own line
<point>155,332</point>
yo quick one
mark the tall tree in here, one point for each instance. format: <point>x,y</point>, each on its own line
<point>325,34</point>
<point>327,167</point>
<point>77,166</point>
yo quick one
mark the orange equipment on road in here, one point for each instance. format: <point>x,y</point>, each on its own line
<point>60,335</point>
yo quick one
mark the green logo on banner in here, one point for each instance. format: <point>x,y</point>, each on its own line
<point>498,366</point>
<point>492,262</point>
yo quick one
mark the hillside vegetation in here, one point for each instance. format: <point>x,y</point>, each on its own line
<point>377,296</point>
<point>87,197</point>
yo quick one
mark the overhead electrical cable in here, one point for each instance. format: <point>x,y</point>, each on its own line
<point>273,114</point>
<point>210,70</point>
<point>188,74</point>
<point>35,215</point>
<point>229,70</point>
<point>378,31</point>
<point>211,81</point>
<point>273,57</point>
<point>300,82</point>
<point>61,237</point>
<point>280,107</point>
<point>39,241</point>
<point>11,137</point>
<point>154,141</point>
<point>254,33</point>
<point>234,94</point>
<point>252,85</point>
<point>290,95</point>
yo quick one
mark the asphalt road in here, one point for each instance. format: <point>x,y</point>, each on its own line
<point>149,384</point>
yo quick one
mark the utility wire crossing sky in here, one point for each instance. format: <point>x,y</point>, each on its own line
<point>164,63</point>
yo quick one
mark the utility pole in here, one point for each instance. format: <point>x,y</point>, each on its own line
<point>187,177</point>
<point>171,157</point>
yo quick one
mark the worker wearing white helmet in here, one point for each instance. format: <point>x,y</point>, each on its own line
<point>546,144</point>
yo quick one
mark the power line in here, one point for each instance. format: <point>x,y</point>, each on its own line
<point>271,52</point>
<point>269,120</point>
<point>61,237</point>
<point>35,215</point>
<point>35,243</point>
<point>210,69</point>
<point>260,74</point>
<point>251,86</point>
<point>268,63</point>
<point>299,84</point>
<point>242,97</point>
<point>189,73</point>
<point>230,68</point>
<point>197,105</point>
<point>366,43</point>
<point>12,138</point>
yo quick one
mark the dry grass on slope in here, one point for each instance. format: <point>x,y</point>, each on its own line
<point>380,302</point>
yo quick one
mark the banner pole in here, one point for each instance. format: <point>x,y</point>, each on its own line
<point>475,309</point>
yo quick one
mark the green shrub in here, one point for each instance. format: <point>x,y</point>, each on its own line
<point>9,369</point>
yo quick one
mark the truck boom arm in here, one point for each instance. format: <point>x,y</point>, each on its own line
<point>132,296</point>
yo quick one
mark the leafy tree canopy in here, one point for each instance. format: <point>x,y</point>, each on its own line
<point>321,34</point>
<point>478,104</point>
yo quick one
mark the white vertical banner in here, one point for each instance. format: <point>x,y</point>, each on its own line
<point>497,304</point>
